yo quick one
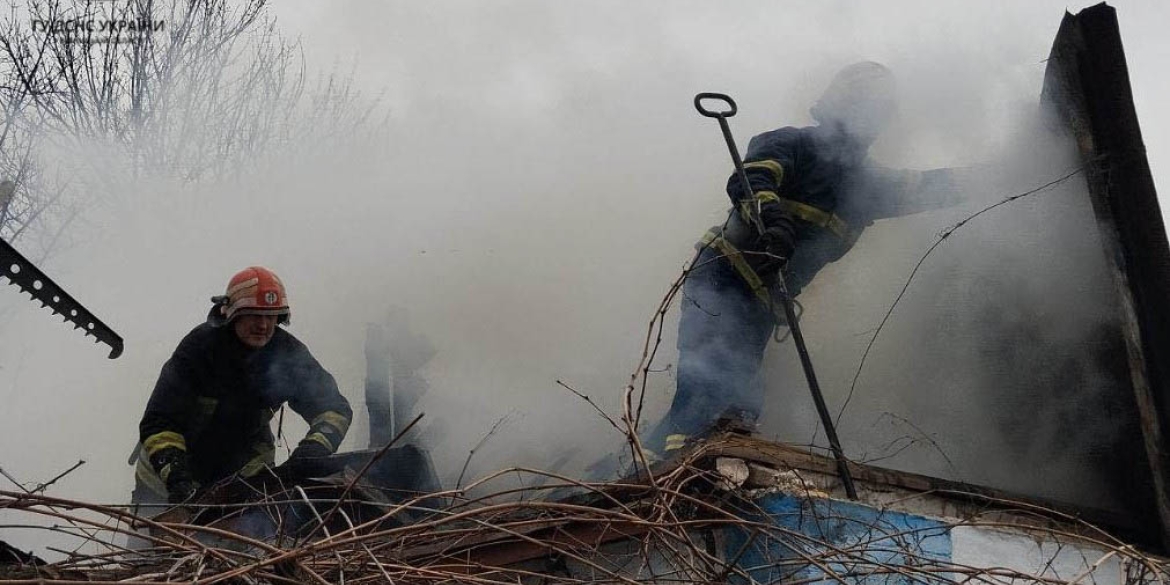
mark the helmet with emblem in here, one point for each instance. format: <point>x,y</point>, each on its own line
<point>254,290</point>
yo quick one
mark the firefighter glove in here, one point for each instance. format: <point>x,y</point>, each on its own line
<point>172,466</point>
<point>300,461</point>
<point>309,450</point>
<point>779,237</point>
<point>181,491</point>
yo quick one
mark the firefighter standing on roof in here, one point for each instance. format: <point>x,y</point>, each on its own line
<point>813,194</point>
<point>208,417</point>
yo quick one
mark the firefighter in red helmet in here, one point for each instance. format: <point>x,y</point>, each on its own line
<point>208,417</point>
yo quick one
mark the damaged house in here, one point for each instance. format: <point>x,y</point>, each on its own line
<point>733,507</point>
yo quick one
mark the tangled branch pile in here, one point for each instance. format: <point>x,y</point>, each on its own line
<point>681,522</point>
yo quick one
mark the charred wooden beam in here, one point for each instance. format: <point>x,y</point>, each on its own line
<point>379,392</point>
<point>1087,84</point>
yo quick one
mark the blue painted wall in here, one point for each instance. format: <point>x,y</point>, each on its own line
<point>856,542</point>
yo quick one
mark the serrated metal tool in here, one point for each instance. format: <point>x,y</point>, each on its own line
<point>19,271</point>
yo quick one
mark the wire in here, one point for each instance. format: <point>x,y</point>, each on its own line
<point>941,238</point>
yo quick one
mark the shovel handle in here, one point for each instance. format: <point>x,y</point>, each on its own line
<point>715,96</point>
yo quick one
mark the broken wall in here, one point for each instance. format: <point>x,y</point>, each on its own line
<point>1017,354</point>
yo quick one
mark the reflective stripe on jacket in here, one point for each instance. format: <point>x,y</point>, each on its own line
<point>827,197</point>
<point>215,398</point>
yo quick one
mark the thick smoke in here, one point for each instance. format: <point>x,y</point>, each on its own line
<point>541,182</point>
<point>1003,363</point>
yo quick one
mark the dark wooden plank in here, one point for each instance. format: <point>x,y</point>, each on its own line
<point>1087,82</point>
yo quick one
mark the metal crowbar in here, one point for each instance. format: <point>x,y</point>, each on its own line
<point>785,299</point>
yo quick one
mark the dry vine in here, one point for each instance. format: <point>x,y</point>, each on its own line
<point>684,525</point>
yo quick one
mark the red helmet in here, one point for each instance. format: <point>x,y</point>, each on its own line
<point>255,290</point>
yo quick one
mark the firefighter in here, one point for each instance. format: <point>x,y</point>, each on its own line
<point>208,417</point>
<point>813,195</point>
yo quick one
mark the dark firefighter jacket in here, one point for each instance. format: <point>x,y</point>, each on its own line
<point>828,195</point>
<point>215,397</point>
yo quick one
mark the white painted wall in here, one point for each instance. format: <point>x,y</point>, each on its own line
<point>1036,554</point>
